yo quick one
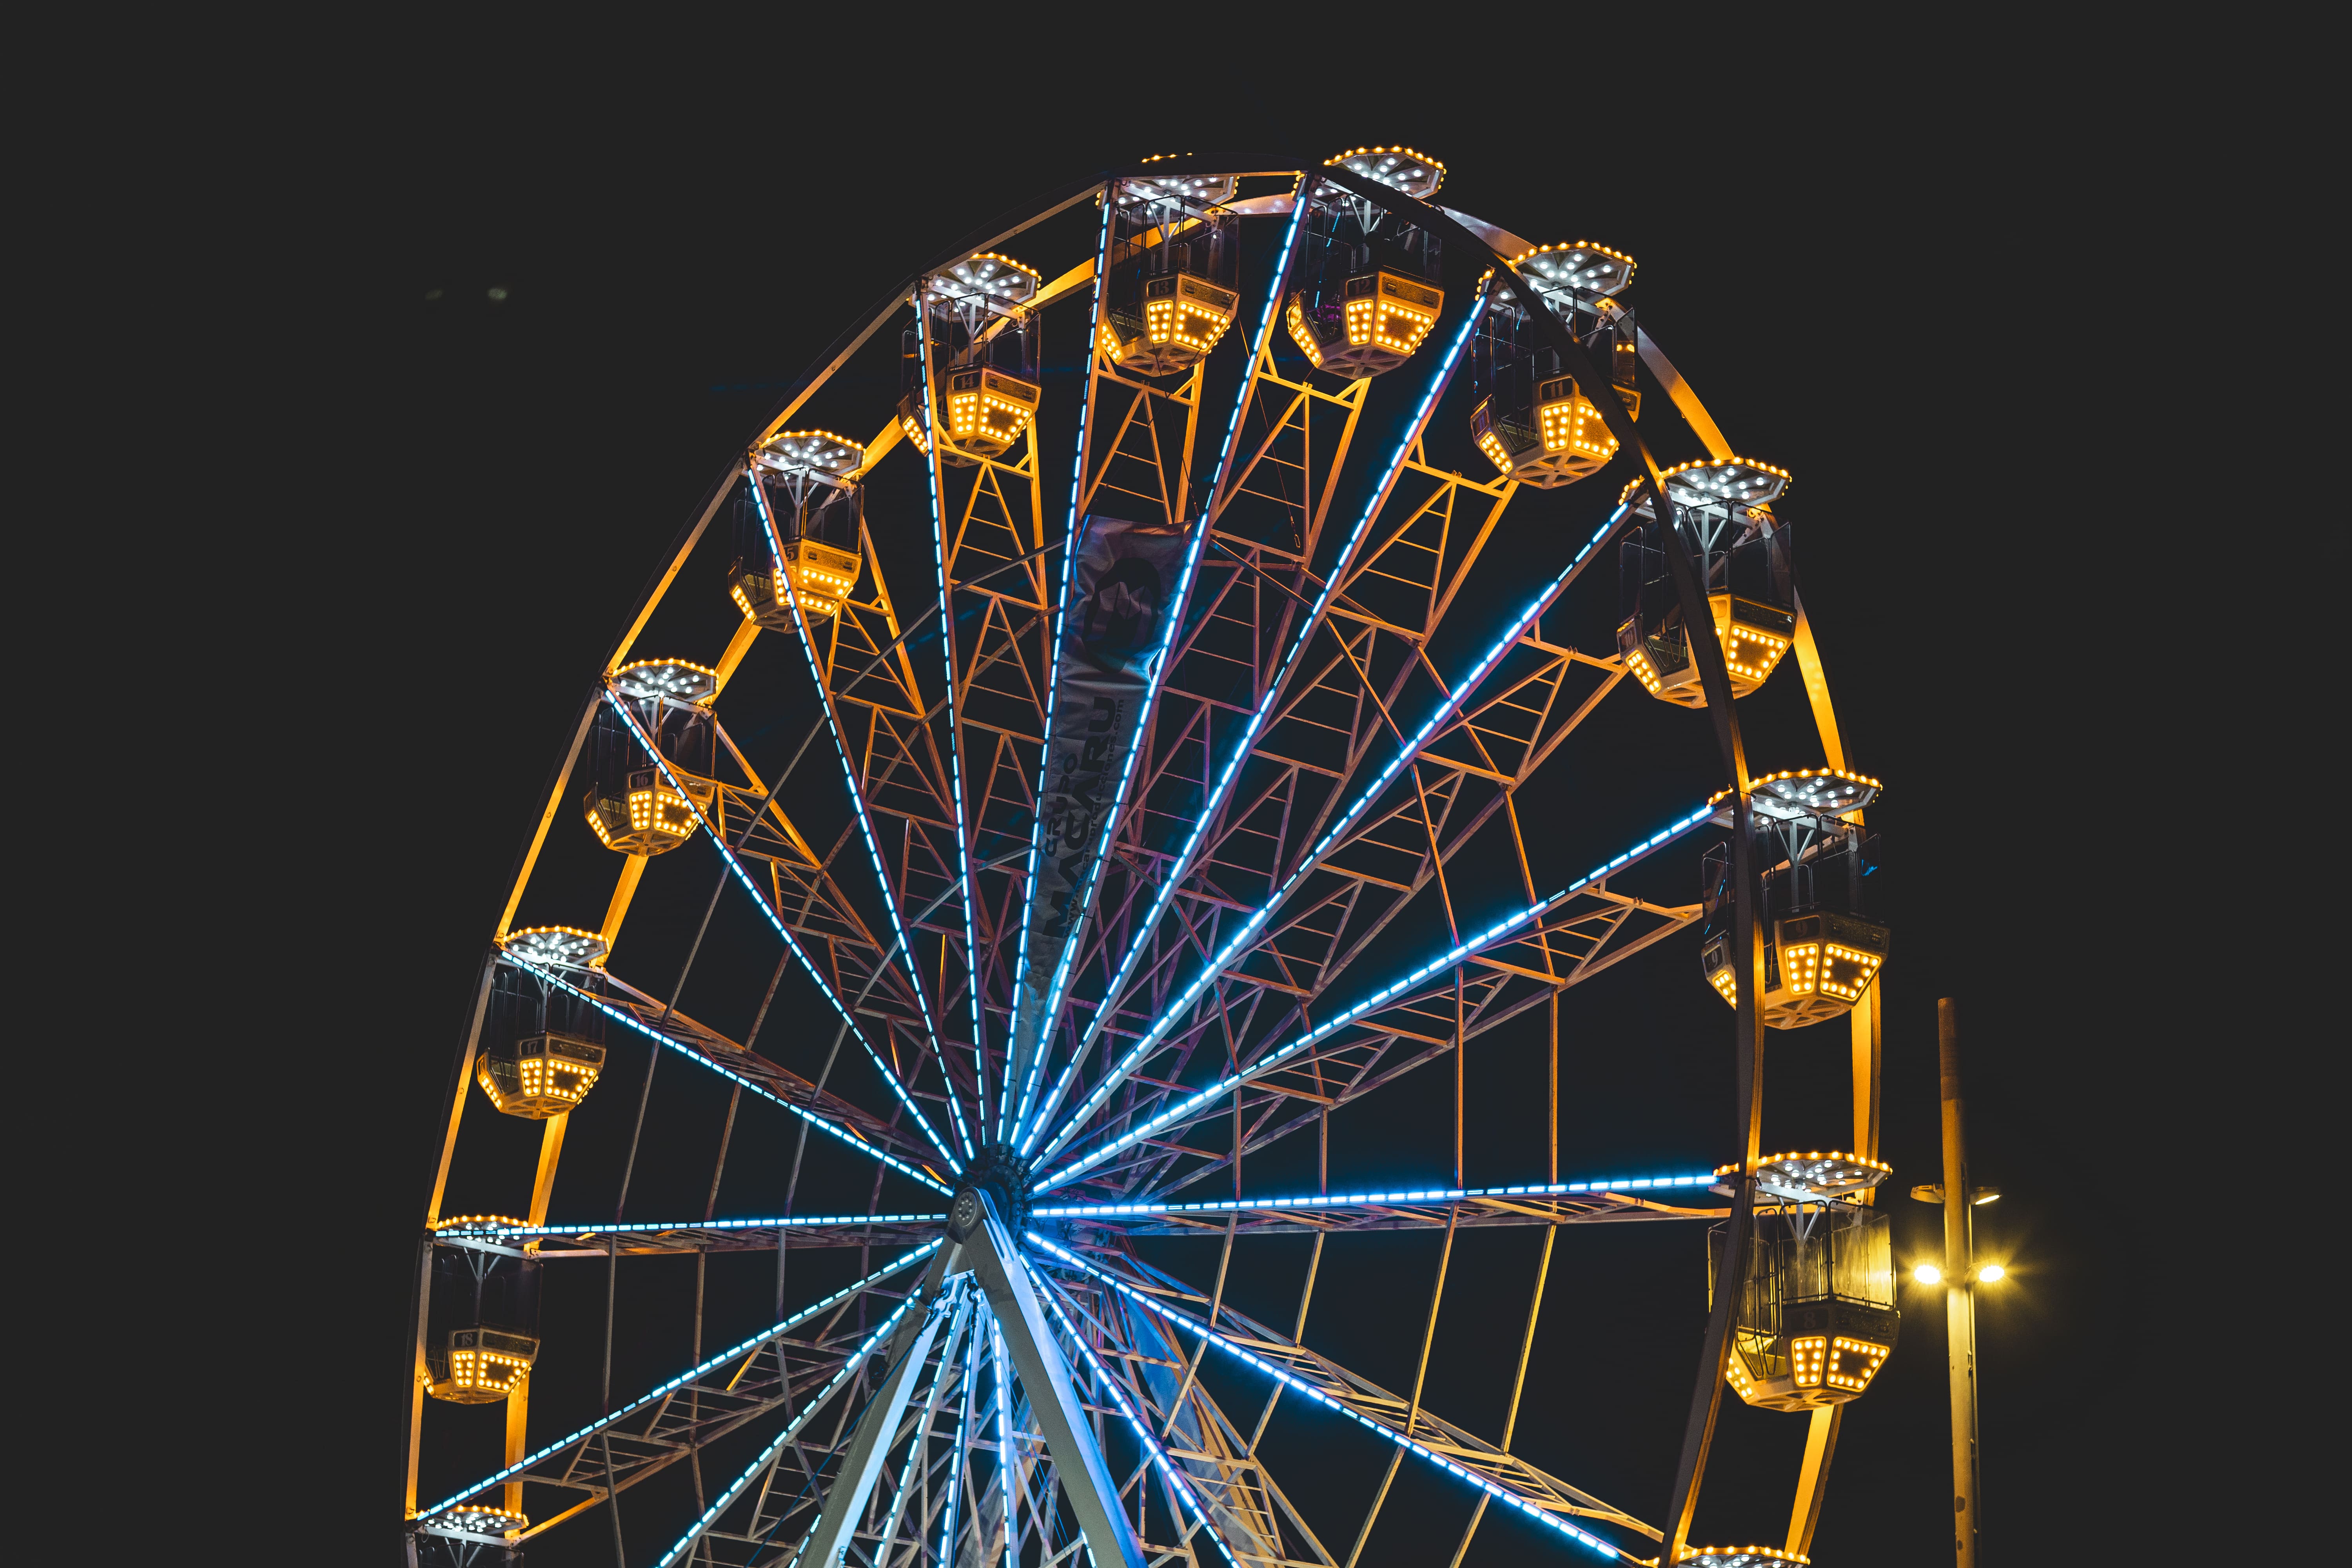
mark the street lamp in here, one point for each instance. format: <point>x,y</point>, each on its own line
<point>1959,1277</point>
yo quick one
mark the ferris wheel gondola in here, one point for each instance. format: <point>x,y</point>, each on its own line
<point>1114,800</point>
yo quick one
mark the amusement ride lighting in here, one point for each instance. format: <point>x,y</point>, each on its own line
<point>955,785</point>
<point>1347,1200</point>
<point>502,1228</point>
<point>566,947</point>
<point>735,865</point>
<point>486,1520</point>
<point>811,1117</point>
<point>1225,956</point>
<point>1173,620</point>
<point>1378,999</point>
<point>1202,1332</point>
<point>928,1402</point>
<point>663,1390</point>
<point>1172,877</point>
<point>792,1428</point>
<point>1052,693</point>
<point>956,1451</point>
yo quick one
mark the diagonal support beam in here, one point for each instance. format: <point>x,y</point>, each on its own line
<point>861,1466</point>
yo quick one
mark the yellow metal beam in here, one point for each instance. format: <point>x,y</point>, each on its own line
<point>737,646</point>
<point>632,870</point>
<point>1812,1482</point>
<point>551,1151</point>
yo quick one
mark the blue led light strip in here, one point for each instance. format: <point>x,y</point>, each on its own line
<point>1002,1368</point>
<point>1178,603</point>
<point>1173,878</point>
<point>1227,955</point>
<point>811,1117</point>
<point>783,1222</point>
<point>1053,674</point>
<point>1344,1200</point>
<point>791,1430</point>
<point>675,1383</point>
<point>735,864</point>
<point>920,1449</point>
<point>1447,960</point>
<point>1201,1330</point>
<point>1176,1480</point>
<point>955,728</point>
<point>955,1454</point>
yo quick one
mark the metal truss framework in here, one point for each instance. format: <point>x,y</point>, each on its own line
<point>1322,767</point>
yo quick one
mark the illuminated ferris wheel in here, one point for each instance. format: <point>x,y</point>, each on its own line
<point>1165,736</point>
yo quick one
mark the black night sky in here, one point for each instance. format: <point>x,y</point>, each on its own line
<point>574,296</point>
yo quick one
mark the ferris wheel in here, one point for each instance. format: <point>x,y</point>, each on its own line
<point>1162,720</point>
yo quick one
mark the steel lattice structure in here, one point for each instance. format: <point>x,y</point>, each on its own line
<point>1094,960</point>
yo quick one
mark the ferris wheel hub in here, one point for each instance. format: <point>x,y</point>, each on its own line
<point>999,1171</point>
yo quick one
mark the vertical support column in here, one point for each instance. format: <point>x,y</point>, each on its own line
<point>1960,1288</point>
<point>1045,1374</point>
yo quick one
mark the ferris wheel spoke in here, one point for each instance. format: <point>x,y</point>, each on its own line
<point>1047,977</point>
<point>1585,935</point>
<point>1172,875</point>
<point>1502,1476</point>
<point>892,759</point>
<point>857,1129</point>
<point>1232,951</point>
<point>1608,1199</point>
<point>722,1400</point>
<point>1560,923</point>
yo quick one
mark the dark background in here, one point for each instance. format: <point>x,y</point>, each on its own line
<point>1884,273</point>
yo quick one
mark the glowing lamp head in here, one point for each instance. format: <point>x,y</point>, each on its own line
<point>986,278</point>
<point>1416,174</point>
<point>1991,1273</point>
<point>1579,272</point>
<point>675,679</point>
<point>809,452</point>
<point>1169,186</point>
<point>1927,1274</point>
<point>557,947</point>
<point>475,1519</point>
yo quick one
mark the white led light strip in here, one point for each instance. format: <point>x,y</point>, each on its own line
<point>1053,688</point>
<point>1202,1332</point>
<point>784,1221</point>
<point>1265,1064</point>
<point>1173,875</point>
<point>873,853</point>
<point>811,1117</point>
<point>1232,949</point>
<point>1103,1379</point>
<point>955,769</point>
<point>1344,1200</point>
<point>682,1379</point>
<point>1177,604</point>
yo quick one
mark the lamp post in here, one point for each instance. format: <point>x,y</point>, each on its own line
<point>1960,1288</point>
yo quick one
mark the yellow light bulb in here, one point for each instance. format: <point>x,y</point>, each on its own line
<point>1927,1274</point>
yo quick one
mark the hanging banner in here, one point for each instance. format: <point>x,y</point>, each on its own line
<point>1120,589</point>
